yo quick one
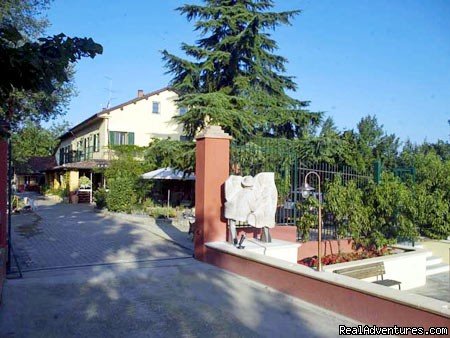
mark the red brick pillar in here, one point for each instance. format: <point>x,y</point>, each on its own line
<point>212,157</point>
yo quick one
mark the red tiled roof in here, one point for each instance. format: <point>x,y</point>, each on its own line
<point>36,164</point>
<point>81,165</point>
<point>96,116</point>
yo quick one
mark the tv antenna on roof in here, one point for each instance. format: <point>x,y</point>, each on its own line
<point>110,92</point>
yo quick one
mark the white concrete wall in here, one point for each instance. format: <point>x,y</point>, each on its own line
<point>408,268</point>
<point>139,118</point>
<point>283,250</point>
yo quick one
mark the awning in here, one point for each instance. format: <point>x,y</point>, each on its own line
<point>167,174</point>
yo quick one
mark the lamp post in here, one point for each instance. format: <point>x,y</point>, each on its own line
<point>306,190</point>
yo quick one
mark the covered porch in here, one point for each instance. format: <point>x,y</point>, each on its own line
<point>79,178</point>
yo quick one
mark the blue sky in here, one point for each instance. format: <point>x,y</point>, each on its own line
<point>352,58</point>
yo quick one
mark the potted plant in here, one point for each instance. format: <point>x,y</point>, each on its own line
<point>84,182</point>
<point>74,197</point>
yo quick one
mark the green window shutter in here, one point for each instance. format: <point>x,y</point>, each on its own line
<point>111,138</point>
<point>131,138</point>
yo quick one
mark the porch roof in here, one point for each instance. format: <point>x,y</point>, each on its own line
<point>92,164</point>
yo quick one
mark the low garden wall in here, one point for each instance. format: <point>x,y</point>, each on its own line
<point>366,302</point>
<point>283,232</point>
<point>309,249</point>
<point>408,267</point>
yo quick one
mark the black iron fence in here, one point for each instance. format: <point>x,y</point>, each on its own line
<point>290,170</point>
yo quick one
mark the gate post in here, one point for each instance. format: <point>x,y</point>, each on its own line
<point>212,162</point>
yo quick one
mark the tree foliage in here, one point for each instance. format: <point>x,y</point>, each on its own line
<point>26,15</point>
<point>170,153</point>
<point>35,72</point>
<point>123,179</point>
<point>34,140</point>
<point>307,220</point>
<point>232,76</point>
<point>350,214</point>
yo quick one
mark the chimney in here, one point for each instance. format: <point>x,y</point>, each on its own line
<point>140,93</point>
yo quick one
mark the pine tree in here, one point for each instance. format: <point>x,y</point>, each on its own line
<point>231,76</point>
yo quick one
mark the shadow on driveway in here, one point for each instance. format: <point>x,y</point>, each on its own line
<point>101,277</point>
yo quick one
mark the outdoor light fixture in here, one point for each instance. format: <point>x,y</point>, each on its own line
<point>305,190</point>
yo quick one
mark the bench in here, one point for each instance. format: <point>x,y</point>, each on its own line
<point>369,270</point>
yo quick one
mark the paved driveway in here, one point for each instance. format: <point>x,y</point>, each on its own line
<point>94,275</point>
<point>63,235</point>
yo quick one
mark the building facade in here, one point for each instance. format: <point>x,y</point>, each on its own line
<point>87,146</point>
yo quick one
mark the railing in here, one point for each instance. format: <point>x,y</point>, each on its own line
<point>290,169</point>
<point>76,155</point>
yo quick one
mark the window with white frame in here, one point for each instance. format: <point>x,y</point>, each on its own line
<point>121,138</point>
<point>156,106</point>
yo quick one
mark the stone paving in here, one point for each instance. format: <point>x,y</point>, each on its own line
<point>178,298</point>
<point>61,235</point>
<point>89,274</point>
<point>437,286</point>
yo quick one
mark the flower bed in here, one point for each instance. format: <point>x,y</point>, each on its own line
<point>404,264</point>
<point>346,257</point>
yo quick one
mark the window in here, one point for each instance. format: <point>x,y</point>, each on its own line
<point>96,142</point>
<point>121,138</point>
<point>61,156</point>
<point>65,154</point>
<point>69,158</point>
<point>182,110</point>
<point>155,107</point>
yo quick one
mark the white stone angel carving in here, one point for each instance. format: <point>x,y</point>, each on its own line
<point>251,200</point>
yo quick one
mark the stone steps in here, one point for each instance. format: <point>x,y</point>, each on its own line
<point>434,265</point>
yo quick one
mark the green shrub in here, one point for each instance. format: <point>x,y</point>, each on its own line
<point>162,212</point>
<point>100,198</point>
<point>308,218</point>
<point>345,202</point>
<point>123,179</point>
<point>84,182</point>
<point>61,192</point>
<point>391,212</point>
<point>121,196</point>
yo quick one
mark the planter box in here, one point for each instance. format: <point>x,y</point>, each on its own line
<point>408,267</point>
<point>283,250</point>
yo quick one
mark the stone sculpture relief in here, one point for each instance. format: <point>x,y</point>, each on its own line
<point>251,200</point>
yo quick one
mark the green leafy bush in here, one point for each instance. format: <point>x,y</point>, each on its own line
<point>350,214</point>
<point>84,182</point>
<point>100,198</point>
<point>432,195</point>
<point>307,220</point>
<point>61,192</point>
<point>162,212</point>
<point>123,179</point>
<point>121,196</point>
